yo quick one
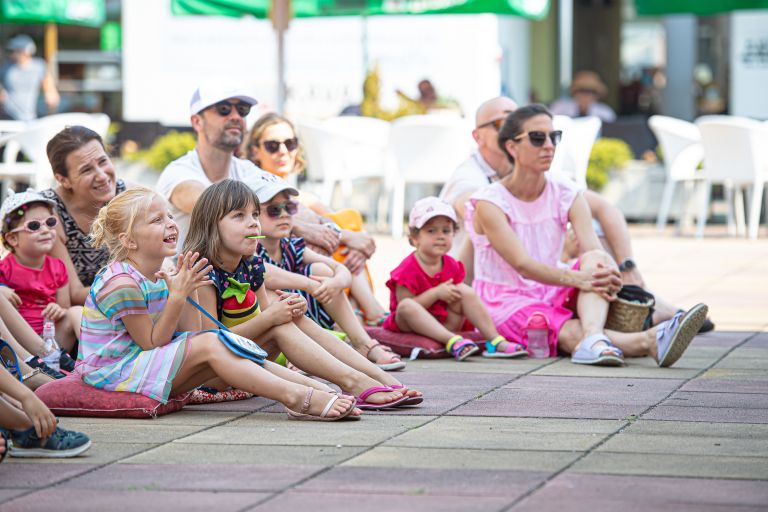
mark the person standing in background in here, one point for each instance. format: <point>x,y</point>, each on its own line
<point>22,76</point>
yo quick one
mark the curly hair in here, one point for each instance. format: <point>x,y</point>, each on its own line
<point>119,216</point>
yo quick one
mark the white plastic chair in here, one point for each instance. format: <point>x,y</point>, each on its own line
<point>683,152</point>
<point>572,154</point>
<point>735,154</point>
<point>427,150</point>
<point>32,143</point>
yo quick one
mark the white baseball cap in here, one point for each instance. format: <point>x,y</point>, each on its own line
<point>16,204</point>
<point>267,186</point>
<point>429,208</point>
<point>207,95</point>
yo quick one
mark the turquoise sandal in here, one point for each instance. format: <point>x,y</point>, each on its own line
<point>512,351</point>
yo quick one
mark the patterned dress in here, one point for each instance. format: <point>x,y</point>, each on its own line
<point>87,260</point>
<point>108,358</point>
<point>292,250</point>
<point>236,300</point>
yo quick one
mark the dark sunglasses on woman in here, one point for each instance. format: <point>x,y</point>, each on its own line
<point>273,146</point>
<point>34,225</point>
<point>538,138</point>
<point>275,210</point>
<point>224,108</point>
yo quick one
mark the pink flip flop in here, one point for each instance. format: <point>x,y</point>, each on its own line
<point>410,400</point>
<point>363,404</point>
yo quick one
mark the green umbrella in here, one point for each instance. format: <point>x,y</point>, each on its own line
<point>66,12</point>
<point>531,9</point>
<point>698,7</point>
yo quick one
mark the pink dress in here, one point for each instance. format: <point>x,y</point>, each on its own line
<point>540,225</point>
<point>411,276</point>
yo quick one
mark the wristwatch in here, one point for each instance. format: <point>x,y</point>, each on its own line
<point>627,264</point>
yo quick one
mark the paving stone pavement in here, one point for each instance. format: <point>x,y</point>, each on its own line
<point>534,435</point>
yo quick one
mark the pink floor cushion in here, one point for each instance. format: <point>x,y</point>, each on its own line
<point>70,396</point>
<point>206,396</point>
<point>405,343</point>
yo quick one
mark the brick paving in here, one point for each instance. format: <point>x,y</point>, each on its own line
<point>533,435</point>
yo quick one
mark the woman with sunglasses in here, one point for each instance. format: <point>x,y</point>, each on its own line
<point>517,226</point>
<point>273,145</point>
<point>85,181</point>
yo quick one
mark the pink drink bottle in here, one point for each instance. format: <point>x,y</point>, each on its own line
<point>538,336</point>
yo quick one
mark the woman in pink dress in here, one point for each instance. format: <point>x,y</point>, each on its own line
<point>518,225</point>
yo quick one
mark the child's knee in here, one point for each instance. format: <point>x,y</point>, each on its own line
<point>466,290</point>
<point>321,269</point>
<point>591,259</point>
<point>408,307</point>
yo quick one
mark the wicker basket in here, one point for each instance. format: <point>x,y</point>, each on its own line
<point>630,310</point>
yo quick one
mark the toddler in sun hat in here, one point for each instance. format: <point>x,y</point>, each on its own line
<point>427,291</point>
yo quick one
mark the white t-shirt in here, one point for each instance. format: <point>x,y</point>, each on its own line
<point>473,174</point>
<point>189,168</point>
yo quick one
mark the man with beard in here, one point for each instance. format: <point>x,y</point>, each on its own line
<point>218,118</point>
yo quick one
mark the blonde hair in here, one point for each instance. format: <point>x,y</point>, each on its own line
<point>254,137</point>
<point>213,205</point>
<point>118,216</point>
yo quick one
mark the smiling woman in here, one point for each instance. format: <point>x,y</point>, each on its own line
<point>85,181</point>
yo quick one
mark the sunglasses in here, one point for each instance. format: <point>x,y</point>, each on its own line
<point>275,210</point>
<point>273,146</point>
<point>538,138</point>
<point>496,123</point>
<point>34,225</point>
<point>224,108</point>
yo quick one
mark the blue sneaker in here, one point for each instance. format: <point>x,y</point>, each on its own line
<point>61,444</point>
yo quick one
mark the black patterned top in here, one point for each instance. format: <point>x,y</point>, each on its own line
<point>87,260</point>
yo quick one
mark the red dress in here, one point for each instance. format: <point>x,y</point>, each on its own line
<point>411,276</point>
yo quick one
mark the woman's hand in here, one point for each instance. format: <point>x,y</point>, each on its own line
<point>189,275</point>
<point>605,281</point>
<point>328,290</point>
<point>362,242</point>
<point>320,236</point>
<point>354,260</point>
<point>41,417</point>
<point>54,312</point>
<point>11,295</point>
<point>448,292</point>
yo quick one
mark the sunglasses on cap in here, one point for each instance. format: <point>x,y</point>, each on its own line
<point>34,225</point>
<point>273,146</point>
<point>224,108</point>
<point>275,210</point>
<point>538,138</point>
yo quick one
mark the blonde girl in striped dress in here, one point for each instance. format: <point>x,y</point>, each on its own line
<point>140,335</point>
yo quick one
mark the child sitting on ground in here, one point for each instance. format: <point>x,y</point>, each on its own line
<point>321,280</point>
<point>34,282</point>
<point>428,296</point>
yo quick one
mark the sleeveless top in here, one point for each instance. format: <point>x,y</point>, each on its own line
<point>87,260</point>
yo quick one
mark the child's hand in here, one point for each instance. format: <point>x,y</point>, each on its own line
<point>54,312</point>
<point>279,312</point>
<point>448,292</point>
<point>190,274</point>
<point>42,418</point>
<point>9,294</point>
<point>328,289</point>
<point>297,303</point>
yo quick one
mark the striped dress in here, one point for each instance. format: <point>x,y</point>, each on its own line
<point>108,358</point>
<point>292,260</point>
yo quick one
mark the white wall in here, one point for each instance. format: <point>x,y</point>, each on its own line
<point>164,57</point>
<point>749,64</point>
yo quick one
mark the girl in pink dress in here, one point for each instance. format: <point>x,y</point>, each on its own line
<point>428,294</point>
<point>518,225</point>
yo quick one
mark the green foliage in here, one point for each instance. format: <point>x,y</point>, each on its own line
<point>167,148</point>
<point>606,154</point>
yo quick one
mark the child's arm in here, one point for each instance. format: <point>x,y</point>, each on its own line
<point>446,291</point>
<point>342,278</point>
<point>183,283</point>
<point>191,318</point>
<point>77,291</point>
<point>55,311</point>
<point>42,417</point>
<point>276,278</point>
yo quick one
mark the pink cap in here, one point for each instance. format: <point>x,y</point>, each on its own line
<point>538,321</point>
<point>428,208</point>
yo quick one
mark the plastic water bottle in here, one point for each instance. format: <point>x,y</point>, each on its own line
<point>51,350</point>
<point>538,336</point>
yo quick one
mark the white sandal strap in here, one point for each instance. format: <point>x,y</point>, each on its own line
<point>328,406</point>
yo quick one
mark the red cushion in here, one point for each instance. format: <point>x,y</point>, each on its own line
<point>403,343</point>
<point>71,396</point>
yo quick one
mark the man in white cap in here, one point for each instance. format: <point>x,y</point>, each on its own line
<point>21,78</point>
<point>218,118</point>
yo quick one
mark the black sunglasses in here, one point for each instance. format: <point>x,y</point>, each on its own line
<point>33,225</point>
<point>224,108</point>
<point>275,210</point>
<point>273,146</point>
<point>538,138</point>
